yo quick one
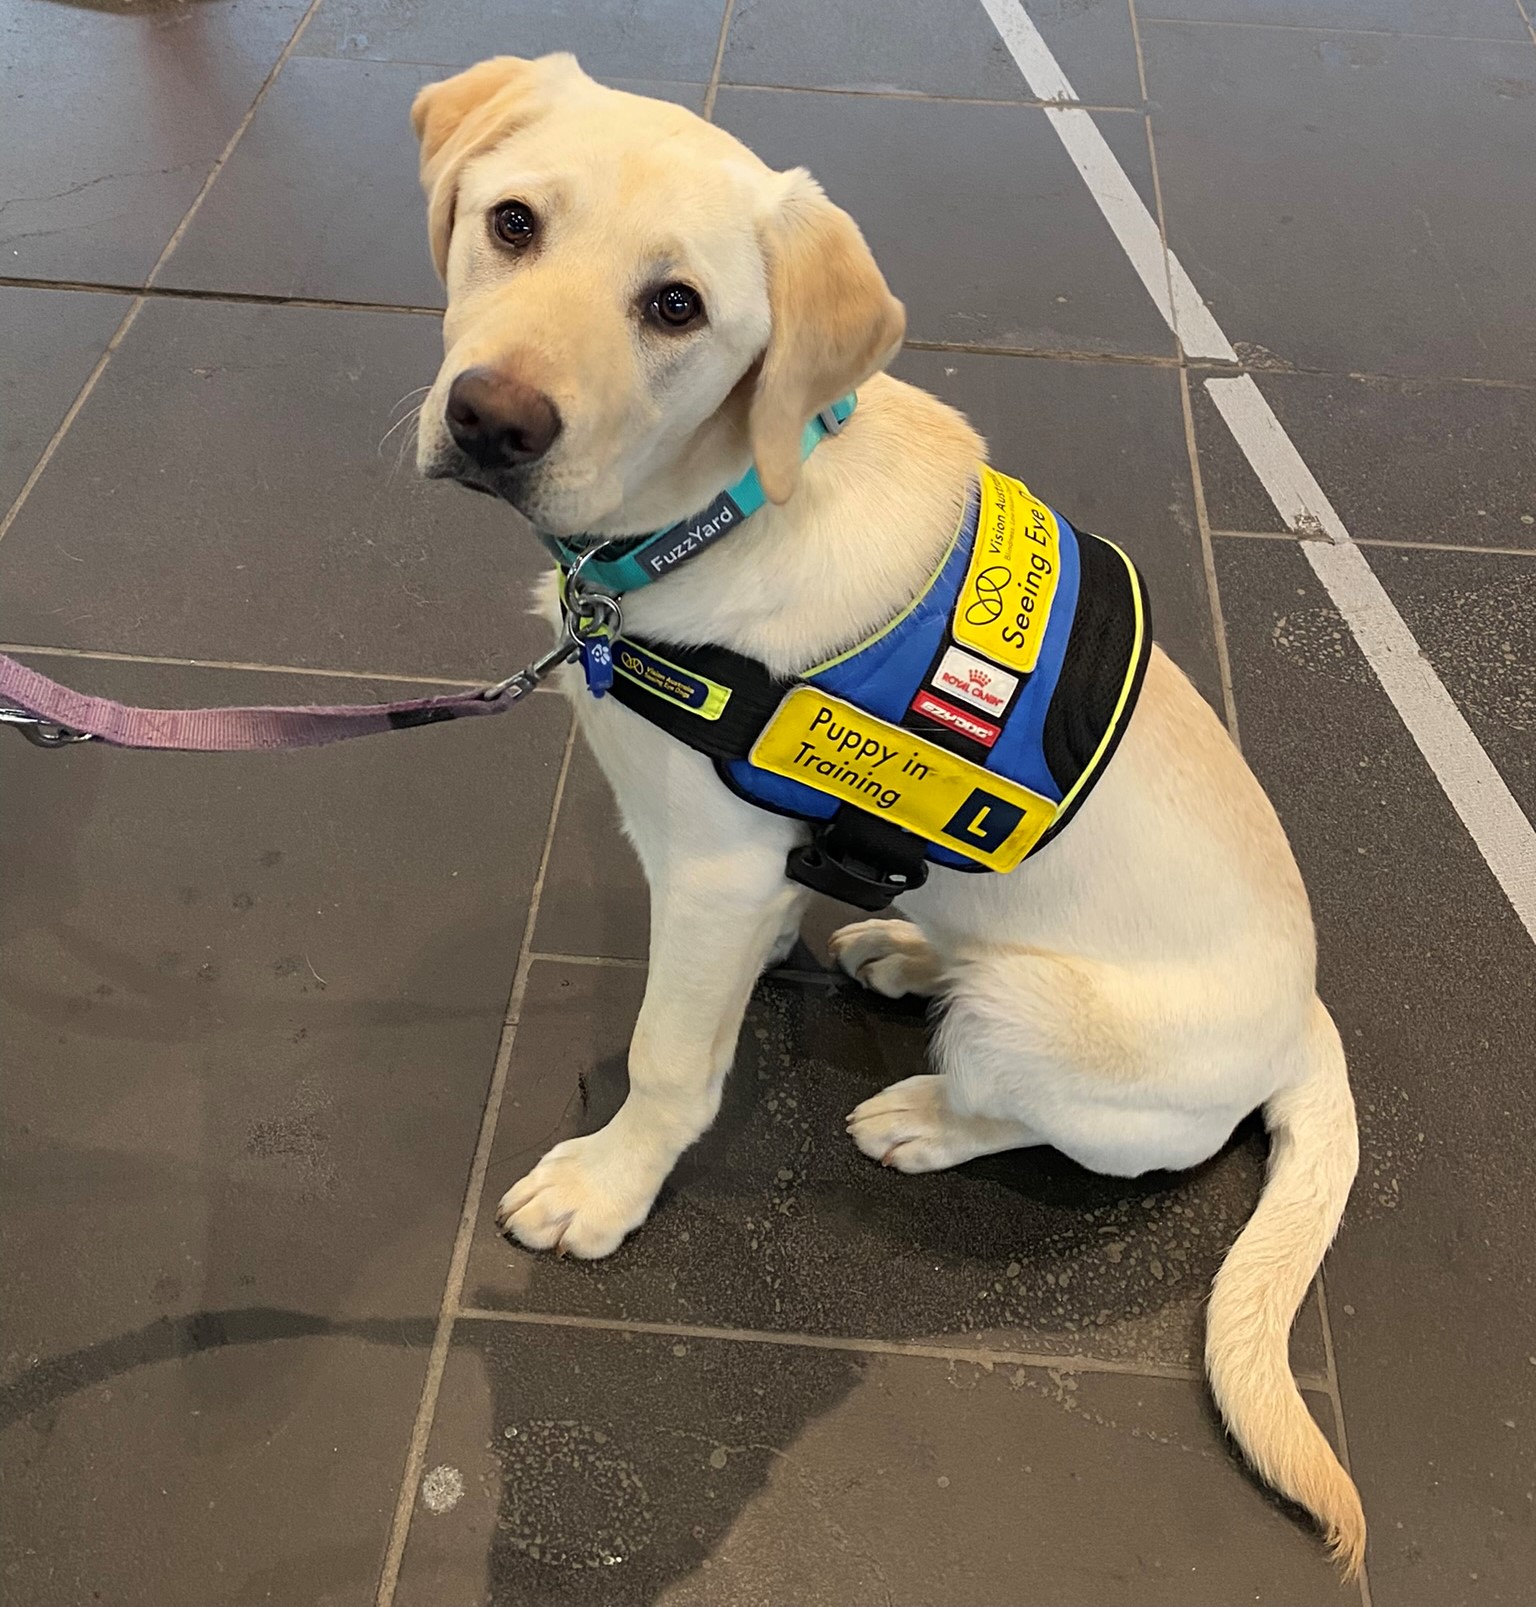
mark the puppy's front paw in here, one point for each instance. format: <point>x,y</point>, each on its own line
<point>907,1125</point>
<point>887,956</point>
<point>576,1201</point>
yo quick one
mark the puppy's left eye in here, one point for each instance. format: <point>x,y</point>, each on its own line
<point>676,306</point>
<point>514,224</point>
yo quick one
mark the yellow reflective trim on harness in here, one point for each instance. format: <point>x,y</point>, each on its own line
<point>890,625</point>
<point>834,748</point>
<point>1090,770</point>
<point>1005,600</point>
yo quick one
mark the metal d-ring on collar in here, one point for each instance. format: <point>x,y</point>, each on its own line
<point>584,611</point>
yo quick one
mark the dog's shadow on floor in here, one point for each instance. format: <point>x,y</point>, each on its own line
<point>774,1223</point>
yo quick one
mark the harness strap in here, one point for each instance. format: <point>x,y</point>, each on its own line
<point>712,699</point>
<point>718,703</point>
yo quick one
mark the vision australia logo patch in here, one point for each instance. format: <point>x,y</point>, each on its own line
<point>1005,601</point>
<point>665,679</point>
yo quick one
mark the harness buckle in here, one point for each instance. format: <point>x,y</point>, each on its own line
<point>859,860</point>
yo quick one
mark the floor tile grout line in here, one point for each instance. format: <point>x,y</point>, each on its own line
<point>105,655</point>
<point>450,67</point>
<point>616,962</point>
<point>861,1344</point>
<point>136,306</point>
<point>469,1216</point>
<point>235,298</point>
<point>1336,1397</point>
<point>1141,79</point>
<point>1229,701</point>
<point>1380,541</point>
<point>257,298</point>
<point>1186,419</point>
<point>712,89</point>
<point>1052,354</point>
<point>179,232</point>
<point>922,98</point>
<point>630,962</point>
<point>1208,561</point>
<point>1317,28</point>
<point>71,413</point>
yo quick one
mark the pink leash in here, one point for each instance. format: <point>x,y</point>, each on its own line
<point>54,716</point>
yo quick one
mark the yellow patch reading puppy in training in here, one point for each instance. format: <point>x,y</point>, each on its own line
<point>838,749</point>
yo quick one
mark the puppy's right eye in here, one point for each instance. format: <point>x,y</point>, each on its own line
<point>514,225</point>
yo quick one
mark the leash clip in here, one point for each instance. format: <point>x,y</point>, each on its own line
<point>43,733</point>
<point>535,674</point>
<point>588,617</point>
<point>594,616</point>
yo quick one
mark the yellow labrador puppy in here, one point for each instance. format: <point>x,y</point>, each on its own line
<point>639,312</point>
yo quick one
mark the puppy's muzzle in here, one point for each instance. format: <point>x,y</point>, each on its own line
<point>498,422</point>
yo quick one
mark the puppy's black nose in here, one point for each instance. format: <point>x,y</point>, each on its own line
<point>499,421</point>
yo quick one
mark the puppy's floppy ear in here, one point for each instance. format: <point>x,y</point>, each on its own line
<point>459,117</point>
<point>835,323</point>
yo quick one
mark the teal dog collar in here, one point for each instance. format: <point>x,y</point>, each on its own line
<point>630,562</point>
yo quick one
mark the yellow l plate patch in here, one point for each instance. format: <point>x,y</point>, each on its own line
<point>1005,603</point>
<point>831,746</point>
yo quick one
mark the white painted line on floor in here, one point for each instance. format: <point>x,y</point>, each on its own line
<point>1468,776</point>
<point>1272,455</point>
<point>1041,70</point>
<point>1135,227</point>
<point>1470,779</point>
<point>1136,230</point>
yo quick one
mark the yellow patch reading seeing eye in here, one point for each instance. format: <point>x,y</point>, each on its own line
<point>1005,602</point>
<point>837,749</point>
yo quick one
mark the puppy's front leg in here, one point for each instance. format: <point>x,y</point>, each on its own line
<point>715,918</point>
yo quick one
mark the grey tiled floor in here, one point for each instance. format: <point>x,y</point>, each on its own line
<point>252,1009</point>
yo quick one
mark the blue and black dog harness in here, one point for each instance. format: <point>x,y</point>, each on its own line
<point>965,733</point>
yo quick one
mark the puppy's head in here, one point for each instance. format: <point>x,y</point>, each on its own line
<point>636,304</point>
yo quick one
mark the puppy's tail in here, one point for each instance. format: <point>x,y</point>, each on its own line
<point>1314,1150</point>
